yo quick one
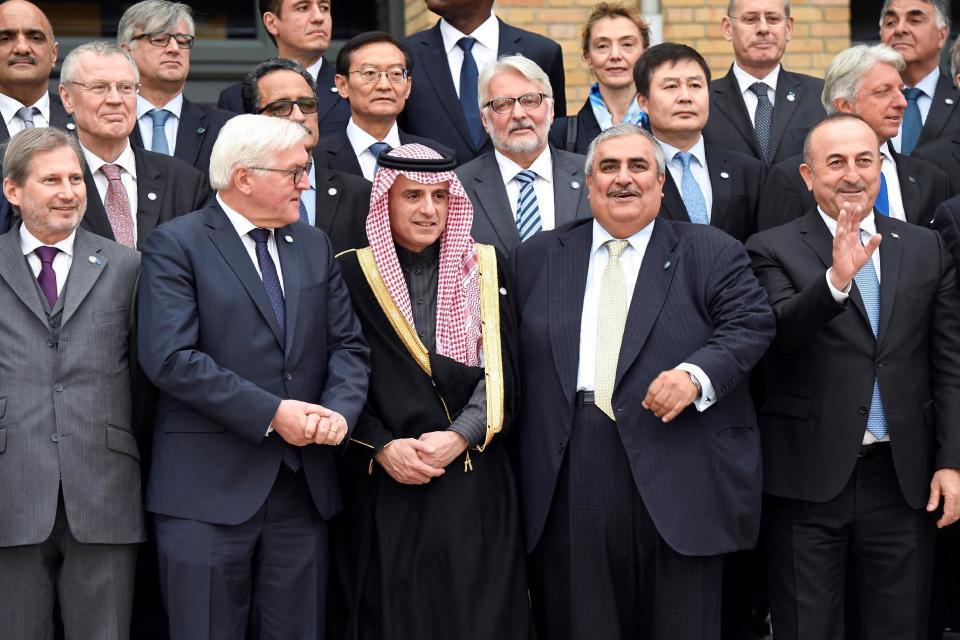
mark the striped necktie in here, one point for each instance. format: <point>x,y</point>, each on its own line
<point>528,211</point>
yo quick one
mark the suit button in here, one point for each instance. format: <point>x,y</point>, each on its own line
<point>287,376</point>
<point>58,387</point>
<point>51,344</point>
<point>561,446</point>
<point>863,410</point>
<point>878,363</point>
<point>55,324</point>
<point>55,437</point>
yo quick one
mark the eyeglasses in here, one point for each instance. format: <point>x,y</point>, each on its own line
<point>100,88</point>
<point>297,173</point>
<point>528,101</point>
<point>753,19</point>
<point>397,75</point>
<point>162,39</point>
<point>283,108</point>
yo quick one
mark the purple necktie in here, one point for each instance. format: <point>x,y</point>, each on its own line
<point>47,277</point>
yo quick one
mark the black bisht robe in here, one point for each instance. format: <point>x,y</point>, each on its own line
<point>434,561</point>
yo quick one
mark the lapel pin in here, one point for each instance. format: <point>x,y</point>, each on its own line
<point>791,96</point>
<point>333,89</point>
<point>151,196</point>
<point>332,191</point>
<point>911,179</point>
<point>574,185</point>
<point>288,239</point>
<point>503,291</point>
<point>666,265</point>
<point>724,175</point>
<point>948,100</point>
<point>71,126</point>
<point>201,131</point>
<point>895,235</point>
<point>95,260</point>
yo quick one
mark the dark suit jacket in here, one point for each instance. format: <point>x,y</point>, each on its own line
<point>433,109</point>
<point>735,180</point>
<point>198,130</point>
<point>166,188</point>
<point>944,115</point>
<point>784,195</point>
<point>333,111</point>
<point>210,342</point>
<point>493,222</point>
<point>822,365</point>
<point>697,301</point>
<point>587,129</point>
<point>335,151</point>
<point>343,201</point>
<point>59,118</point>
<point>729,125</point>
<point>944,153</point>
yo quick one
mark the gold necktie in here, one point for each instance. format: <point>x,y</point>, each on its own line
<point>612,318</point>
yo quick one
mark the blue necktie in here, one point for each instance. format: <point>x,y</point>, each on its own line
<point>528,211</point>
<point>159,117</point>
<point>271,282</point>
<point>690,191</point>
<point>869,286</point>
<point>468,91</point>
<point>912,122</point>
<point>763,119</point>
<point>882,203</point>
<point>376,149</point>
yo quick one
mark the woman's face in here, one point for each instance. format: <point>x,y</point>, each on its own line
<point>615,45</point>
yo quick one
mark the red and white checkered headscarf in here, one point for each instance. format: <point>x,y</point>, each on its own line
<point>458,327</point>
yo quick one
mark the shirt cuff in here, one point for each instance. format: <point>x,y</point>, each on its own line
<point>707,396</point>
<point>838,295</point>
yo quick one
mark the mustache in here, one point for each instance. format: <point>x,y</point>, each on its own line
<point>19,59</point>
<point>623,191</point>
<point>521,124</point>
<point>859,185</point>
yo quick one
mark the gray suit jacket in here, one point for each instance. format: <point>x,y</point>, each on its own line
<point>493,221</point>
<point>65,397</point>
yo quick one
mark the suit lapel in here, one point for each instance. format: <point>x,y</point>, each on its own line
<point>289,254</point>
<point>95,218</point>
<point>660,262</point>
<point>84,272</point>
<point>672,203</point>
<point>568,265</point>
<point>224,237</point>
<point>788,96</point>
<point>940,109</point>
<point>435,66</point>
<point>727,98</point>
<point>16,272</point>
<point>150,188</point>
<point>567,199</point>
<point>59,117</point>
<point>907,179</point>
<point>327,95</point>
<point>718,168</point>
<point>493,201</point>
<point>891,254</point>
<point>190,132</point>
<point>340,155</point>
<point>327,202</point>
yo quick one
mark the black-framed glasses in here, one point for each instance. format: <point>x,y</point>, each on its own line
<point>162,39</point>
<point>528,101</point>
<point>396,75</point>
<point>753,19</point>
<point>283,108</point>
<point>100,88</point>
<point>297,173</point>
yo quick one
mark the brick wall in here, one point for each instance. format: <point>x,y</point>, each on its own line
<point>822,28</point>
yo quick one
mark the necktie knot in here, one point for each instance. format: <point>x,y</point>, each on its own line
<point>46,254</point>
<point>526,177</point>
<point>466,43</point>
<point>377,148</point>
<point>26,114</point>
<point>112,171</point>
<point>159,116</point>
<point>260,235</point>
<point>616,248</point>
<point>760,90</point>
<point>912,94</point>
<point>684,158</point>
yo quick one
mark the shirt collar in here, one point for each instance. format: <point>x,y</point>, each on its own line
<point>745,80</point>
<point>29,242</point>
<point>314,69</point>
<point>638,240</point>
<point>542,166</point>
<point>698,151</point>
<point>9,107</point>
<point>929,83</point>
<point>175,106</point>
<point>868,224</point>
<point>360,140</point>
<point>487,34</point>
<point>126,160</point>
<point>242,225</point>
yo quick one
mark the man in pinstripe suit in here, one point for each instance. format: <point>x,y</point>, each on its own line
<point>70,509</point>
<point>630,495</point>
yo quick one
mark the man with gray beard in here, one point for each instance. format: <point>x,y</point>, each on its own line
<point>524,185</point>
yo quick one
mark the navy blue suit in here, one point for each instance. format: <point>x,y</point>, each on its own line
<point>696,301</point>
<point>198,130</point>
<point>433,108</point>
<point>211,344</point>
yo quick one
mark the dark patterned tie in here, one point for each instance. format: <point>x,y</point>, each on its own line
<point>763,119</point>
<point>117,205</point>
<point>912,122</point>
<point>47,278</point>
<point>468,91</point>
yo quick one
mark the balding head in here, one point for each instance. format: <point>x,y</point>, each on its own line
<point>28,51</point>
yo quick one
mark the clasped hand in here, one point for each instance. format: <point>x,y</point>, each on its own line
<point>303,423</point>
<point>419,460</point>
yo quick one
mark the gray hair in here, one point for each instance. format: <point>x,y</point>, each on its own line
<point>955,58</point>
<point>940,8</point>
<point>250,140</point>
<point>522,65</point>
<point>104,49</point>
<point>732,5</point>
<point>153,15</point>
<point>29,142</point>
<point>619,131</point>
<point>845,73</point>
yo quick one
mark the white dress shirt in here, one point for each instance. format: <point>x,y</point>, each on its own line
<point>698,167</point>
<point>744,80</point>
<point>243,227</point>
<point>360,140</point>
<point>170,126</point>
<point>869,226</point>
<point>61,262</point>
<point>894,196</point>
<point>484,51</point>
<point>128,178</point>
<point>314,69</point>
<point>929,86</point>
<point>9,108</point>
<point>542,185</point>
<point>630,261</point>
